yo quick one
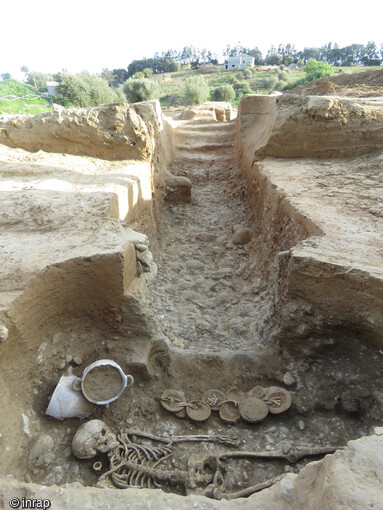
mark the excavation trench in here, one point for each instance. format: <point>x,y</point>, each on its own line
<point>209,320</point>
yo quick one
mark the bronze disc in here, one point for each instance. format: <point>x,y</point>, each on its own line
<point>229,411</point>
<point>198,410</point>
<point>182,413</point>
<point>173,400</point>
<point>214,399</point>
<point>257,391</point>
<point>281,400</point>
<point>235,395</point>
<point>253,409</point>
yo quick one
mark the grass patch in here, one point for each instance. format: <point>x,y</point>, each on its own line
<point>28,105</point>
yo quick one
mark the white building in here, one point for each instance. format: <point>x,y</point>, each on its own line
<point>238,62</point>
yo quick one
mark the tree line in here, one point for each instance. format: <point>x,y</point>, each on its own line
<point>283,54</point>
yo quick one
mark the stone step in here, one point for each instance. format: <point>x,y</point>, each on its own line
<point>213,127</point>
<point>194,145</point>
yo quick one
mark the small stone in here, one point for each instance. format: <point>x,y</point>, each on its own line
<point>191,296</point>
<point>205,236</point>
<point>62,365</point>
<point>219,250</point>
<point>141,247</point>
<point>77,360</point>
<point>3,333</point>
<point>288,379</point>
<point>41,453</point>
<point>242,236</point>
<point>194,264</point>
<point>301,425</point>
<point>146,258</point>
<point>221,240</point>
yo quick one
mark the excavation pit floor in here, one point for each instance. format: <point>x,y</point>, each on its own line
<point>336,397</point>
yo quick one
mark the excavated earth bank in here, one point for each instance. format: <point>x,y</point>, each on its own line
<point>264,269</point>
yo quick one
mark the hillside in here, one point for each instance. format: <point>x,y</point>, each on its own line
<point>170,87</point>
<point>366,84</point>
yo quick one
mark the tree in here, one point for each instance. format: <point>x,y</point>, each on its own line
<point>241,88</point>
<point>38,80</point>
<point>148,71</point>
<point>5,76</point>
<point>274,59</point>
<point>120,76</point>
<point>224,93</point>
<point>139,89</point>
<point>257,54</point>
<point>107,76</point>
<point>371,57</point>
<point>315,69</point>
<point>308,53</point>
<point>85,89</point>
<point>196,90</point>
<point>25,70</point>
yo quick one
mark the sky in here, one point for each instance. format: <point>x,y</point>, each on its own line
<point>76,35</point>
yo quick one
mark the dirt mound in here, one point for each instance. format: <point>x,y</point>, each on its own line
<point>366,84</point>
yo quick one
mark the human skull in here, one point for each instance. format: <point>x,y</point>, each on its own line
<point>91,438</point>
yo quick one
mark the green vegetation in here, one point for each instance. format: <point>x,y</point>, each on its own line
<point>87,89</point>
<point>196,90</point>
<point>315,69</point>
<point>192,76</point>
<point>12,87</point>
<point>224,93</point>
<point>139,89</point>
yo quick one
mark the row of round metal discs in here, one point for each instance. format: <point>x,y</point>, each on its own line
<point>252,406</point>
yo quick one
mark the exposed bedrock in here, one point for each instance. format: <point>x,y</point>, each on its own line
<point>319,217</point>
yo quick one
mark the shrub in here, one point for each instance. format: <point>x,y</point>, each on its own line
<point>174,67</point>
<point>274,59</point>
<point>139,89</point>
<point>85,89</point>
<point>196,90</point>
<point>269,82</point>
<point>280,85</point>
<point>224,93</point>
<point>148,71</point>
<point>247,74</point>
<point>242,88</point>
<point>138,75</point>
<point>231,79</point>
<point>283,75</point>
<point>315,69</point>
